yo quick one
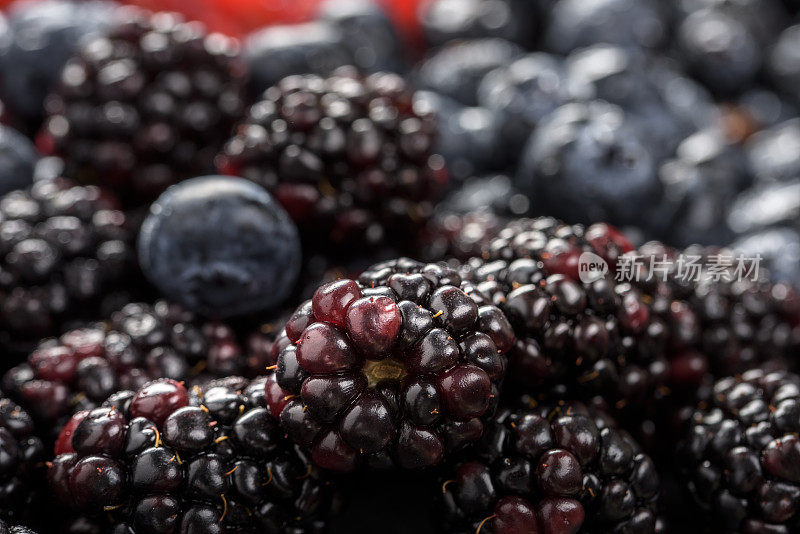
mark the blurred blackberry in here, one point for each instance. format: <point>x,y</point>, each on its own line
<point>400,368</point>
<point>147,105</point>
<point>523,92</point>
<point>518,21</point>
<point>630,23</point>
<point>140,342</point>
<point>15,529</point>
<point>278,51</point>
<point>163,459</point>
<point>66,254</point>
<point>348,157</point>
<point>773,154</point>
<point>22,456</point>
<point>587,162</point>
<point>666,105</point>
<point>39,40</point>
<point>368,32</point>
<point>741,453</point>
<point>699,186</point>
<point>456,69</point>
<point>554,468</point>
<point>468,137</point>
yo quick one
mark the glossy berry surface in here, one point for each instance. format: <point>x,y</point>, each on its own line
<point>348,157</point>
<point>22,454</point>
<point>166,459</point>
<point>740,453</point>
<point>221,246</point>
<point>553,469</point>
<point>146,105</point>
<point>401,367</point>
<point>66,253</point>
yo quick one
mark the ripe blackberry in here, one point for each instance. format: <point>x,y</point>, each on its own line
<point>66,253</point>
<point>21,464</point>
<point>164,459</point>
<point>146,105</point>
<point>554,469</point>
<point>346,154</point>
<point>741,453</point>
<point>140,342</point>
<point>400,367</point>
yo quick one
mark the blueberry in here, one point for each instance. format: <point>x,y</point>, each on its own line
<point>699,184</point>
<point>577,23</point>
<point>457,68</point>
<point>221,246</point>
<point>765,107</point>
<point>586,163</point>
<point>275,52</point>
<point>469,137</point>
<point>494,193</point>
<point>766,205</point>
<point>523,92</point>
<point>368,34</point>
<point>43,36</point>
<point>17,160</point>
<point>514,20</point>
<point>783,63</point>
<point>774,153</point>
<point>779,249</point>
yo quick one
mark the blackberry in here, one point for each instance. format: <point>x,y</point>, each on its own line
<point>146,105</point>
<point>140,342</point>
<point>66,253</point>
<point>22,456</point>
<point>557,469</point>
<point>348,157</point>
<point>741,453</point>
<point>398,368</point>
<point>15,529</point>
<point>165,459</point>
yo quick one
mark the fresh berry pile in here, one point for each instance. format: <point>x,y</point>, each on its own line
<point>441,266</point>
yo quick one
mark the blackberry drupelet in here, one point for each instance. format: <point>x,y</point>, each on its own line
<point>145,106</point>
<point>66,253</point>
<point>15,529</point>
<point>554,469</point>
<point>741,453</point>
<point>346,155</point>
<point>140,342</point>
<point>166,459</point>
<point>22,456</point>
<point>399,368</point>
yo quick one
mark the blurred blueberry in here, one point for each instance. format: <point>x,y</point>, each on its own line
<point>494,193</point>
<point>586,163</point>
<point>666,105</point>
<point>275,52</point>
<point>578,23</point>
<point>368,33</point>
<point>17,160</point>
<point>779,249</point>
<point>699,184</point>
<point>456,69</point>
<point>764,206</point>
<point>783,62</point>
<point>221,246</point>
<point>523,92</point>
<point>513,20</point>
<point>468,137</point>
<point>42,37</point>
<point>765,107</point>
<point>774,153</point>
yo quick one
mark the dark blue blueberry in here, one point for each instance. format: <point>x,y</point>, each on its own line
<point>17,160</point>
<point>578,23</point>
<point>275,52</point>
<point>783,63</point>
<point>667,105</point>
<point>368,33</point>
<point>469,137</point>
<point>765,206</point>
<point>774,154</point>
<point>523,92</point>
<point>699,184</point>
<point>765,107</point>
<point>514,20</point>
<point>221,246</point>
<point>457,68</point>
<point>43,36</point>
<point>586,163</point>
<point>495,193</point>
<point>779,249</point>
